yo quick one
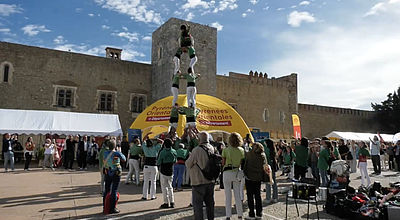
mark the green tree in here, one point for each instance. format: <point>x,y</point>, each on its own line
<point>388,113</point>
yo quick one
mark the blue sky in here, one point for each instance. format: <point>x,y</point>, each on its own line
<point>346,52</point>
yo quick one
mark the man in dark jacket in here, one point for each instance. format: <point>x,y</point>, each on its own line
<point>69,152</point>
<point>8,151</point>
<point>83,147</point>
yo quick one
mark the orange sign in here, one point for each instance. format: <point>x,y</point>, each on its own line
<point>296,126</point>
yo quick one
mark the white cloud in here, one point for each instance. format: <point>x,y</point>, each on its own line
<point>105,27</point>
<point>353,66</point>
<point>124,28</point>
<point>130,36</point>
<point>225,4</point>
<point>128,52</point>
<point>91,15</point>
<point>217,25</point>
<point>250,10</point>
<point>6,10</point>
<point>59,40</point>
<point>280,9</point>
<point>391,6</point>
<point>136,9</point>
<point>33,29</point>
<point>293,6</point>
<point>190,16</point>
<point>5,30</point>
<point>146,38</point>
<point>78,10</point>
<point>253,1</point>
<point>195,3</point>
<point>244,15</point>
<point>296,18</point>
<point>304,3</point>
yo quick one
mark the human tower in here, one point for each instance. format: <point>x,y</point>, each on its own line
<point>186,45</point>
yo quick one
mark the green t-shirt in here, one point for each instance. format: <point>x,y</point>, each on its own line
<point>101,156</point>
<point>189,112</point>
<point>336,153</point>
<point>190,77</point>
<point>135,150</point>
<point>323,159</point>
<point>233,156</point>
<point>288,157</point>
<point>174,113</point>
<point>364,152</point>
<point>301,155</point>
<point>182,153</point>
<point>166,155</point>
<point>175,79</point>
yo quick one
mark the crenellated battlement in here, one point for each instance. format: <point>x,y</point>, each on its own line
<point>335,110</point>
<point>261,78</point>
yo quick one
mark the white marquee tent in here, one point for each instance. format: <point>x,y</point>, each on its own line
<point>58,122</point>
<point>358,136</point>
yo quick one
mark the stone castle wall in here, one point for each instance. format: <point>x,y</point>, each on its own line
<point>264,103</point>
<point>37,70</point>
<point>317,121</point>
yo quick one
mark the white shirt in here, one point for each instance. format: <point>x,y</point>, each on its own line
<point>49,150</point>
<point>375,147</point>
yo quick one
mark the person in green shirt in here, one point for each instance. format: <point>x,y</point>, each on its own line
<point>363,154</point>
<point>191,90</point>
<point>173,120</point>
<point>232,158</point>
<point>175,86</point>
<point>134,153</point>
<point>104,147</point>
<point>288,158</point>
<point>179,167</point>
<point>186,44</point>
<point>323,159</point>
<point>300,166</point>
<point>191,115</point>
<point>166,159</point>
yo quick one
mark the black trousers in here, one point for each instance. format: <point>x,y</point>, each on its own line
<point>70,159</point>
<point>203,193</point>
<point>299,171</point>
<point>28,159</point>
<point>398,162</point>
<point>391,162</point>
<point>376,162</point>
<point>254,192</point>
<point>82,163</point>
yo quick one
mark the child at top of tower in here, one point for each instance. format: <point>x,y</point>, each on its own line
<point>186,44</point>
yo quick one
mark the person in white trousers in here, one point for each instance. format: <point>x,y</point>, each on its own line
<point>232,158</point>
<point>133,161</point>
<point>363,153</point>
<point>166,160</point>
<point>150,169</point>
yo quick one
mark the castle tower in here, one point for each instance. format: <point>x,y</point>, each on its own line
<point>164,46</point>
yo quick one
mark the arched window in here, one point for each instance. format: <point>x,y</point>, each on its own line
<point>6,73</point>
<point>106,100</point>
<point>265,114</point>
<point>138,102</point>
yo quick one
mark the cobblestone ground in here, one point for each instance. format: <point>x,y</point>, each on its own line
<point>62,194</point>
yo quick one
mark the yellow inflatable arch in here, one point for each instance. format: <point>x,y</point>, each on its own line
<point>215,115</point>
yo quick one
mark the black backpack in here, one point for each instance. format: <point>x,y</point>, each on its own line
<point>213,166</point>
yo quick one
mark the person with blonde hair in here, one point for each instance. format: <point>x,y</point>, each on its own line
<point>254,164</point>
<point>232,158</point>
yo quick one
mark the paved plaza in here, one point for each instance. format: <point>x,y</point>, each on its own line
<point>62,194</point>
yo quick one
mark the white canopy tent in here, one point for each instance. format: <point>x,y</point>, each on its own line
<point>58,122</point>
<point>358,136</point>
